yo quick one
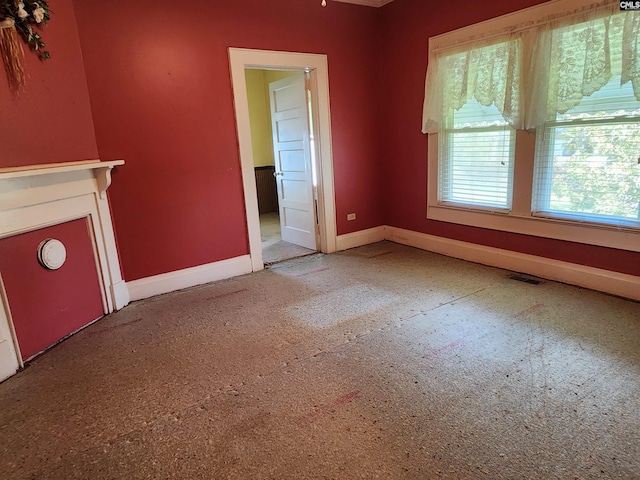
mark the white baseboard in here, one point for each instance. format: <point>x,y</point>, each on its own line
<point>357,239</point>
<point>120,295</point>
<point>621,284</point>
<point>189,277</point>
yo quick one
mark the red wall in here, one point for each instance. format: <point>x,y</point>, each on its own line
<point>406,26</point>
<point>161,98</point>
<point>51,121</point>
<point>47,305</point>
<point>160,89</point>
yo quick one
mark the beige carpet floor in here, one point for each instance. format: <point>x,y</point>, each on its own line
<point>379,362</point>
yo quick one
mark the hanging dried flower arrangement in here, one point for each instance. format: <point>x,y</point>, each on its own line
<point>18,18</point>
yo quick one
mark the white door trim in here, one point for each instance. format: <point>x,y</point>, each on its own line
<point>10,357</point>
<point>239,59</point>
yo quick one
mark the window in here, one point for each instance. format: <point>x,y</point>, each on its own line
<point>587,160</point>
<point>474,92</point>
<point>476,158</point>
<point>535,127</point>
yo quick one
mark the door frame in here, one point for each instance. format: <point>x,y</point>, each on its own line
<point>239,60</point>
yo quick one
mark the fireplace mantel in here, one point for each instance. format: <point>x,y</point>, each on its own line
<point>37,196</point>
<point>102,171</point>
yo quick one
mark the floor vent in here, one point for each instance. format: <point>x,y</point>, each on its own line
<point>522,278</point>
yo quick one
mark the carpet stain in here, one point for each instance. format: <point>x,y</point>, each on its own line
<point>227,294</point>
<point>379,254</point>
<point>324,410</point>
<point>444,350</point>
<point>114,327</point>
<point>312,272</point>
<point>528,311</point>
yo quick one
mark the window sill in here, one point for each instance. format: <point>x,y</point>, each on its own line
<point>590,234</point>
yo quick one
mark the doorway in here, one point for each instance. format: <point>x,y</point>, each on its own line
<point>324,205</point>
<point>282,135</point>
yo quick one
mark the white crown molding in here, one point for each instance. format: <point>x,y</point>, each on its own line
<point>366,3</point>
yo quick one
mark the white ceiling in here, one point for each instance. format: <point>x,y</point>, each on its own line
<point>368,3</point>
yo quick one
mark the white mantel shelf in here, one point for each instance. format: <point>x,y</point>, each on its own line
<point>47,168</point>
<point>103,175</point>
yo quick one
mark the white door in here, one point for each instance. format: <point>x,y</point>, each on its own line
<point>290,129</point>
<point>8,357</point>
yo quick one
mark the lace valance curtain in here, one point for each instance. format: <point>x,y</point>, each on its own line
<point>489,73</point>
<point>573,61</point>
<point>571,57</point>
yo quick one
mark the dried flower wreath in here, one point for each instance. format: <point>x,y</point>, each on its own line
<point>18,18</point>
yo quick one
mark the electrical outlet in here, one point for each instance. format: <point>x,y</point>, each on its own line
<point>351,216</point>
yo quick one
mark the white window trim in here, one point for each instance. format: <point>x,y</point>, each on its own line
<point>519,219</point>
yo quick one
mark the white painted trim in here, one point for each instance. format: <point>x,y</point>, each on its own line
<point>10,358</point>
<point>120,294</point>
<point>621,284</point>
<point>240,59</point>
<point>362,237</point>
<point>40,196</point>
<point>590,234</point>
<point>49,168</point>
<point>188,277</point>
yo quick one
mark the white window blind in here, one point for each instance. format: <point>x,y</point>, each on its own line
<point>476,158</point>
<point>587,160</point>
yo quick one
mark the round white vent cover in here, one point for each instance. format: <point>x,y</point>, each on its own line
<point>52,254</point>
